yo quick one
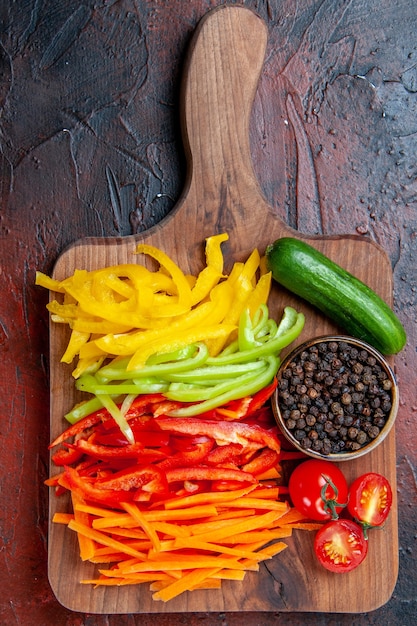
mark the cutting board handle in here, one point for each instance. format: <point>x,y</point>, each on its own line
<point>219,84</point>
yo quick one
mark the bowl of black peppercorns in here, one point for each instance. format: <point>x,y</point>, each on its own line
<point>336,398</point>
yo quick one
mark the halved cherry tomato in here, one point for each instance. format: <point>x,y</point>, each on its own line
<point>340,545</point>
<point>370,500</point>
<point>308,491</point>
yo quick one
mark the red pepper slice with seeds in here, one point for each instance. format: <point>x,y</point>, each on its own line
<point>187,457</point>
<point>67,455</point>
<point>149,478</point>
<point>230,453</point>
<point>85,488</point>
<point>130,451</point>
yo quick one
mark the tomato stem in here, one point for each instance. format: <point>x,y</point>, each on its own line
<point>331,504</point>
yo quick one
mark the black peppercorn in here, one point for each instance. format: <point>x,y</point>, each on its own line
<point>334,397</point>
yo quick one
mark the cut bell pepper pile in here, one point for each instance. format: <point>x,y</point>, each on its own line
<point>203,340</point>
<point>129,310</point>
<point>190,503</point>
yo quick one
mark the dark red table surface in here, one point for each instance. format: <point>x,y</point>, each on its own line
<point>90,145</point>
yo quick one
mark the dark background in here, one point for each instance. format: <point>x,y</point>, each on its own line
<point>90,146</point>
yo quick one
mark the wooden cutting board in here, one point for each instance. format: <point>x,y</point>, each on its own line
<point>221,194</point>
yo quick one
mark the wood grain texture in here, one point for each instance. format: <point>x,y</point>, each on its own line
<point>222,194</point>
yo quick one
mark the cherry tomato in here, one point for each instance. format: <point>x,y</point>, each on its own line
<point>307,485</point>
<point>370,499</point>
<point>340,545</point>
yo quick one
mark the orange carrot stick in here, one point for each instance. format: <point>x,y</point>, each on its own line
<point>62,518</point>
<point>213,497</point>
<point>103,539</point>
<point>138,516</point>
<point>86,544</point>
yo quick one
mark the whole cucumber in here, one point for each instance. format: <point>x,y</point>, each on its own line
<point>345,299</point>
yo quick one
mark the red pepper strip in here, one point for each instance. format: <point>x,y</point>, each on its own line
<point>233,410</point>
<point>53,481</point>
<point>230,453</point>
<point>152,438</point>
<point>188,457</point>
<point>225,485</point>
<point>89,467</point>
<point>263,417</point>
<point>181,443</point>
<point>141,405</point>
<point>259,398</point>
<point>262,462</point>
<point>67,455</point>
<point>221,431</point>
<point>165,406</point>
<point>243,407</point>
<point>130,451</point>
<point>79,427</point>
<point>147,438</point>
<point>149,478</point>
<point>208,473</point>
<point>87,490</point>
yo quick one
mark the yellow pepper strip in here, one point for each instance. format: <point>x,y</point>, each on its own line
<point>213,272</point>
<point>183,287</point>
<point>77,339</point>
<point>206,281</point>
<point>49,283</point>
<point>91,350</point>
<point>160,281</point>
<point>214,256</point>
<point>97,327</point>
<point>77,320</point>
<point>125,313</point>
<point>260,294</point>
<point>240,278</point>
<point>88,366</point>
<point>66,312</point>
<point>95,298</point>
<point>252,264</point>
<point>207,313</point>
<point>176,340</point>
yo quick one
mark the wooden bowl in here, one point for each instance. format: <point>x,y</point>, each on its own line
<point>335,423</point>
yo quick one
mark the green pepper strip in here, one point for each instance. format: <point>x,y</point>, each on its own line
<point>118,417</point>
<point>83,409</point>
<point>283,338</point>
<point>215,372</point>
<point>287,321</point>
<point>242,386</point>
<point>268,332</point>
<point>187,352</point>
<point>150,386</point>
<point>230,349</point>
<point>261,329</point>
<point>212,378</point>
<point>117,370</point>
<point>248,330</point>
<point>90,384</point>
